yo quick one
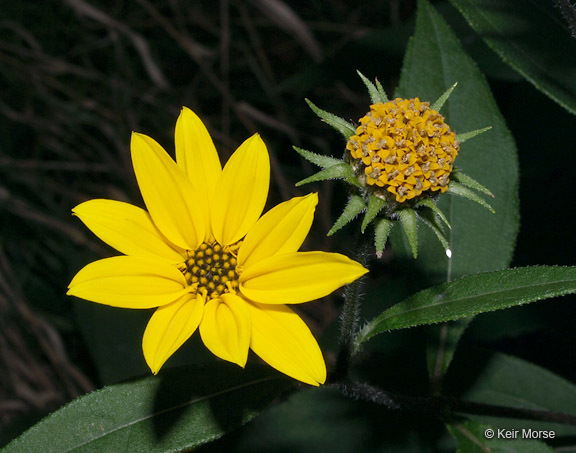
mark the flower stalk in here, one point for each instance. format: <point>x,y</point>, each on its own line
<point>350,316</point>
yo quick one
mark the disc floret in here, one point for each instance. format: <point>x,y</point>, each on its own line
<point>403,147</point>
<point>211,270</point>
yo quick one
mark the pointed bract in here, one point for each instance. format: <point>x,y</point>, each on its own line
<point>339,171</point>
<point>354,207</point>
<point>382,228</point>
<point>375,204</point>
<point>430,220</point>
<point>443,98</point>
<point>317,159</point>
<point>381,91</point>
<point>408,219</point>
<point>428,203</point>
<point>374,91</point>
<point>344,127</point>
<point>468,135</point>
<point>467,181</point>
<point>460,190</point>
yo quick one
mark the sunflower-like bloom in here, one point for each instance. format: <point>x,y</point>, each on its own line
<point>203,255</point>
<point>398,160</point>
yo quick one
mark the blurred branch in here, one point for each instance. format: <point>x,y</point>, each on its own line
<point>46,165</point>
<point>36,372</point>
<point>225,60</point>
<point>86,9</point>
<point>285,17</point>
<point>194,49</point>
<point>24,210</point>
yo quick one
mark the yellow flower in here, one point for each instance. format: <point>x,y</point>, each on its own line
<point>405,147</point>
<point>399,159</point>
<point>203,255</point>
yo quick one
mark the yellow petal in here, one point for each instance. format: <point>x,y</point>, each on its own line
<point>127,228</point>
<point>169,195</point>
<point>197,156</point>
<point>170,326</point>
<point>225,328</point>
<point>241,191</point>
<point>292,278</point>
<point>280,230</point>
<point>284,341</point>
<point>128,282</point>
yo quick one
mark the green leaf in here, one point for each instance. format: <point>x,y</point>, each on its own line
<point>408,219</point>
<point>443,98</point>
<point>479,241</point>
<point>443,342</point>
<point>321,420</point>
<point>174,411</point>
<point>471,438</point>
<point>531,37</point>
<point>374,206</point>
<point>318,159</point>
<point>344,127</point>
<point>467,181</point>
<point>468,135</point>
<point>354,207</point>
<point>455,188</point>
<point>382,229</point>
<point>339,171</point>
<point>374,92</point>
<point>504,380</point>
<point>474,294</point>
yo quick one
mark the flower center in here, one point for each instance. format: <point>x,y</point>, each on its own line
<point>404,147</point>
<point>211,270</point>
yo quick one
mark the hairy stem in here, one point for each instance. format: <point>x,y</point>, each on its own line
<point>445,407</point>
<point>350,313</point>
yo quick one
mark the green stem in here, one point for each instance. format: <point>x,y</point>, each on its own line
<point>350,313</point>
